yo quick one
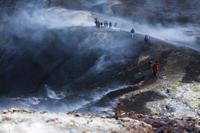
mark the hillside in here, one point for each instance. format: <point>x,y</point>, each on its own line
<point>60,73</point>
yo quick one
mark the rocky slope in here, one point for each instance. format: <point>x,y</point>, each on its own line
<point>66,64</point>
<point>32,121</point>
<point>55,63</point>
<point>124,60</point>
<point>26,121</point>
<point>175,93</point>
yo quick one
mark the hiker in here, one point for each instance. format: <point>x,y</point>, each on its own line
<point>146,38</point>
<point>156,69</point>
<point>97,23</point>
<point>101,24</point>
<point>105,23</point>
<point>132,32</point>
<point>110,24</point>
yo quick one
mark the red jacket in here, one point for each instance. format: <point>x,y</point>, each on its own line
<point>156,66</point>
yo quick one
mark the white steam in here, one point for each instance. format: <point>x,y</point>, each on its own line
<point>42,19</point>
<point>60,18</point>
<point>54,95</point>
<point>51,18</point>
<point>173,34</point>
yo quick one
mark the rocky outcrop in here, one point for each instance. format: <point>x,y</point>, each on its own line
<point>18,121</point>
<point>174,93</point>
<point>61,60</point>
<point>167,124</point>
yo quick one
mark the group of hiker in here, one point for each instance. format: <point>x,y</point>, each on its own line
<point>101,24</point>
<point>154,65</point>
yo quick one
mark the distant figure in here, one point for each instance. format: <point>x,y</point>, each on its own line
<point>105,23</point>
<point>132,32</point>
<point>101,24</point>
<point>97,23</point>
<point>156,69</point>
<point>110,24</point>
<point>146,38</point>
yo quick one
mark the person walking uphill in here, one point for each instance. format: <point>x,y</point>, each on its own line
<point>97,23</point>
<point>110,24</point>
<point>132,32</point>
<point>156,69</point>
<point>146,38</point>
<point>106,23</point>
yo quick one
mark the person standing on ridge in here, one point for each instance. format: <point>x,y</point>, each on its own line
<point>156,69</point>
<point>101,24</point>
<point>132,32</point>
<point>106,24</point>
<point>146,38</point>
<point>97,23</point>
<point>110,24</point>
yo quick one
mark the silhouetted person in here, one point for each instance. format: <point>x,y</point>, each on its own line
<point>97,23</point>
<point>146,38</point>
<point>105,23</point>
<point>132,32</point>
<point>156,69</point>
<point>110,24</point>
<point>101,24</point>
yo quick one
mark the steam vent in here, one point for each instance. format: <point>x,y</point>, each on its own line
<point>99,66</point>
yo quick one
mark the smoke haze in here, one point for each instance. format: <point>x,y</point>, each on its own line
<point>51,43</point>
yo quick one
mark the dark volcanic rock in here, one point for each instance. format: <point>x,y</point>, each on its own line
<point>166,124</point>
<point>60,59</point>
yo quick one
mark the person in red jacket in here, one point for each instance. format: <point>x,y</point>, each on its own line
<point>156,69</point>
